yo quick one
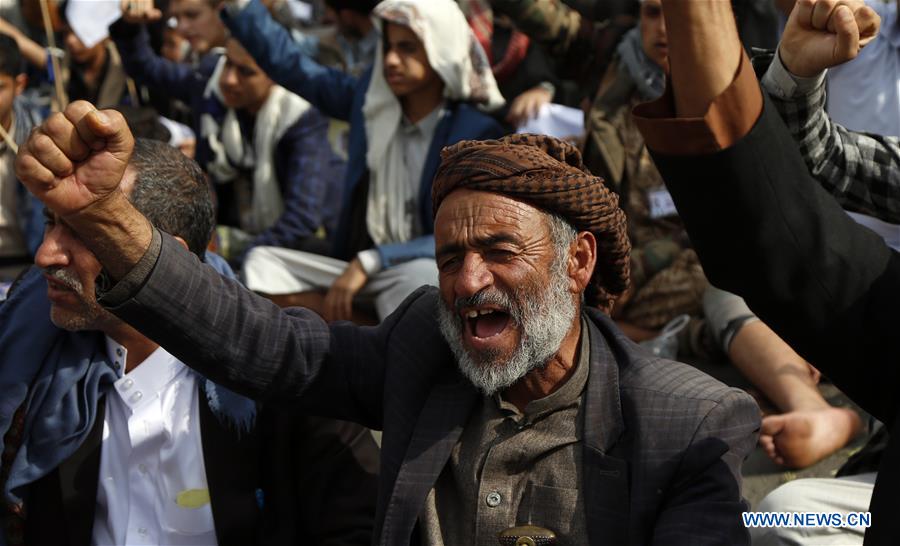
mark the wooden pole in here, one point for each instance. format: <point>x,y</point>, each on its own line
<point>62,100</point>
<point>129,82</point>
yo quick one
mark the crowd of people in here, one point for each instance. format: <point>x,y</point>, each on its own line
<point>341,271</point>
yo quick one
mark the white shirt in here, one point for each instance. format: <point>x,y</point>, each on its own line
<point>152,485</point>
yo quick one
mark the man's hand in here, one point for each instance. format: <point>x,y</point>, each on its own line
<point>140,11</point>
<point>823,33</point>
<point>75,158</point>
<point>339,299</point>
<point>527,105</point>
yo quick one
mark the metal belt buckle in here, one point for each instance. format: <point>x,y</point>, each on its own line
<point>527,535</point>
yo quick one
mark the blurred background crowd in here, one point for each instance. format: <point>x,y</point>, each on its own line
<point>319,125</point>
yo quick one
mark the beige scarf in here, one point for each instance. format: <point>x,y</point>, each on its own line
<point>281,110</point>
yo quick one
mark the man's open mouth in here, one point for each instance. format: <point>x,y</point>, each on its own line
<point>485,323</point>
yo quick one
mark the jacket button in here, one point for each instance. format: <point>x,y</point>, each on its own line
<point>493,499</point>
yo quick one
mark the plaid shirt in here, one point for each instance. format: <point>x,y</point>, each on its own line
<point>861,170</point>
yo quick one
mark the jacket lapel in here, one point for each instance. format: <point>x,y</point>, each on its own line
<point>232,466</point>
<point>78,477</point>
<point>605,477</point>
<point>437,430</point>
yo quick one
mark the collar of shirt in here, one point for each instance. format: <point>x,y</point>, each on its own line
<point>148,379</point>
<point>426,125</point>
<point>567,394</point>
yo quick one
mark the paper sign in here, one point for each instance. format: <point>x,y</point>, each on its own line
<point>301,11</point>
<point>557,121</point>
<point>90,19</point>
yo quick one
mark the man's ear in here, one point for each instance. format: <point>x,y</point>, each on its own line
<point>582,260</point>
<point>182,242</point>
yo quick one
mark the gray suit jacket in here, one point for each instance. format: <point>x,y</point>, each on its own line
<point>663,442</point>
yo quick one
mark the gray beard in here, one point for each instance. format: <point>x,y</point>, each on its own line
<point>544,317</point>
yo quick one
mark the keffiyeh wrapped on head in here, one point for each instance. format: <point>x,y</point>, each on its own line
<point>548,174</point>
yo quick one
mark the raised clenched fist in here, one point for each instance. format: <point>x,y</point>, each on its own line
<point>75,158</point>
<point>140,11</point>
<point>823,33</point>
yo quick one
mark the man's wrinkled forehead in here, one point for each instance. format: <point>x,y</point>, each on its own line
<point>463,202</point>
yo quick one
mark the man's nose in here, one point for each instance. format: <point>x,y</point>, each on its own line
<point>229,76</point>
<point>391,58</point>
<point>474,275</point>
<point>52,252</point>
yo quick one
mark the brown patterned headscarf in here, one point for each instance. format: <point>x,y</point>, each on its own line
<point>546,173</point>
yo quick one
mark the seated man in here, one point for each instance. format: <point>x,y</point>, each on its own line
<point>507,397</point>
<point>421,95</point>
<point>266,149</point>
<point>117,442</point>
<point>762,225</point>
<point>20,213</point>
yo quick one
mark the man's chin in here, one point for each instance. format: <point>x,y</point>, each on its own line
<point>493,371</point>
<point>75,321</point>
<point>66,320</point>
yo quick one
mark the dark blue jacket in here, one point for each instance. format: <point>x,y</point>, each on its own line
<point>305,164</point>
<point>341,96</point>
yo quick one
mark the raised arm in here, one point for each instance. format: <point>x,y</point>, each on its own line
<point>761,225</point>
<point>701,29</point>
<point>33,52</point>
<point>148,68</point>
<point>861,170</point>
<point>275,51</point>
<point>75,163</point>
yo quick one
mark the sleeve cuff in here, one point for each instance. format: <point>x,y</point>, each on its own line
<point>729,118</point>
<point>125,289</point>
<point>780,83</point>
<point>370,261</point>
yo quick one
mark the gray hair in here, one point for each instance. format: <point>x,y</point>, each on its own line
<point>171,190</point>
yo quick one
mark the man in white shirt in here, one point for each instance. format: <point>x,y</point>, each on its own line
<point>162,455</point>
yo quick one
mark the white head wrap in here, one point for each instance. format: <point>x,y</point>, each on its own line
<point>456,56</point>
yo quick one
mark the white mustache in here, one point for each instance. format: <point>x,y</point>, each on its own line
<point>493,296</point>
<point>69,279</point>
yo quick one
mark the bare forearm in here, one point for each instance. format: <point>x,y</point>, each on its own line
<point>115,231</point>
<point>704,52</point>
<point>33,52</point>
